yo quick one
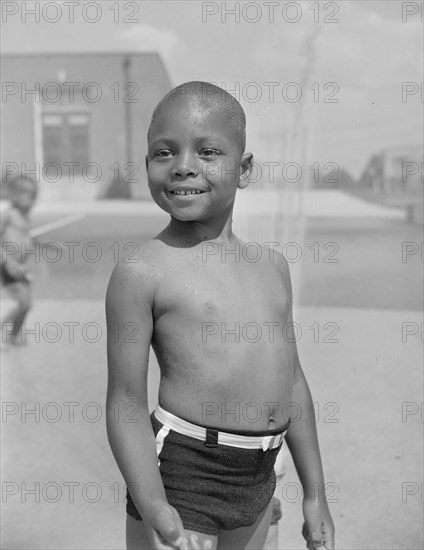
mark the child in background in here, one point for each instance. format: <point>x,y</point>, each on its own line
<point>15,240</point>
<point>199,470</point>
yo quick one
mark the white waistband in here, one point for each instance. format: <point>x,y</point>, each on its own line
<point>232,440</point>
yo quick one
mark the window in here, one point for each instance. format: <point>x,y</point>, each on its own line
<point>66,139</point>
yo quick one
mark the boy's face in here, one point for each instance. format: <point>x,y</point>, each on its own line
<point>24,199</point>
<point>194,161</point>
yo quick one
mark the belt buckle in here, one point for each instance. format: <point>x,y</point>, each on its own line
<point>211,439</point>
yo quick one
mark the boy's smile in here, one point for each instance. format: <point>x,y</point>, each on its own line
<point>194,160</point>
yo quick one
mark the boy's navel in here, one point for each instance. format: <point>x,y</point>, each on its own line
<point>208,306</point>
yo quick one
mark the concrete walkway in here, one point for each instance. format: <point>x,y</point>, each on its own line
<point>361,385</point>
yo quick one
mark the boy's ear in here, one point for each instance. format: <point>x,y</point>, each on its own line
<point>146,160</point>
<point>246,166</point>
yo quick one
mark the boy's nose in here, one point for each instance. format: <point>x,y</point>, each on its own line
<point>185,166</point>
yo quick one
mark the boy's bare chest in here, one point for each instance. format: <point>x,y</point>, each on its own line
<point>222,292</point>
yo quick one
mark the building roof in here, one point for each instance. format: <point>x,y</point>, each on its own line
<point>76,53</point>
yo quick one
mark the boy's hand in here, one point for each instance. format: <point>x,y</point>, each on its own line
<point>166,531</point>
<point>318,529</point>
<point>194,543</point>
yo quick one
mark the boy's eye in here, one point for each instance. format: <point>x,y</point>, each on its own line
<point>209,152</point>
<point>163,153</point>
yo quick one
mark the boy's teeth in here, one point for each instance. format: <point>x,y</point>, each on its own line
<point>191,192</point>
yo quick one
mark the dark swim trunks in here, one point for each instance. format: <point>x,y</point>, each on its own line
<point>214,486</point>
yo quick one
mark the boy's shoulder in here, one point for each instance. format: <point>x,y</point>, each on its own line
<point>279,261</point>
<point>268,254</point>
<point>277,258</point>
<point>139,267</point>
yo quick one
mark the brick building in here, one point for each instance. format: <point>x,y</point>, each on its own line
<point>79,120</point>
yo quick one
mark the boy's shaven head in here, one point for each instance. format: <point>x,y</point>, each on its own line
<point>207,97</point>
<point>20,184</point>
<point>196,157</point>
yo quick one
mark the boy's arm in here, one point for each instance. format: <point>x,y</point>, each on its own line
<point>302,441</point>
<point>129,302</point>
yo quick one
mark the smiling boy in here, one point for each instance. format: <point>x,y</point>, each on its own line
<point>199,473</point>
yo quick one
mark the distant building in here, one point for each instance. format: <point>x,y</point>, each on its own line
<point>79,120</point>
<point>394,172</point>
